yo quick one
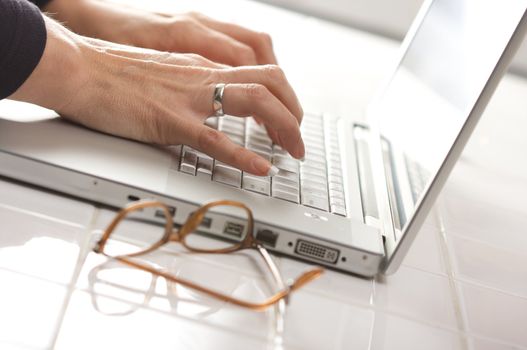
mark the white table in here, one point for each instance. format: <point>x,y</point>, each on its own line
<point>463,284</point>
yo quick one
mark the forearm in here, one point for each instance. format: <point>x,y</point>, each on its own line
<point>59,74</point>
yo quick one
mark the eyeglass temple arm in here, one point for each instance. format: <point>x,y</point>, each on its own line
<point>254,306</point>
<point>272,266</point>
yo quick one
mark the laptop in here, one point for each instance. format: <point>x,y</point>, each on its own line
<point>358,199</point>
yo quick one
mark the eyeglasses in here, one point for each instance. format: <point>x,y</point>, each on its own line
<point>232,218</point>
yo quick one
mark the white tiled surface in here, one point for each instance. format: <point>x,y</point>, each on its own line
<point>463,284</point>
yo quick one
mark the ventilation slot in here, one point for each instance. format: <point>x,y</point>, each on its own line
<point>317,251</point>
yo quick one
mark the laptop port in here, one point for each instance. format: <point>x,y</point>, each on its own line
<point>206,222</point>
<point>233,229</point>
<point>316,251</point>
<point>133,198</point>
<point>160,213</point>
<point>267,237</point>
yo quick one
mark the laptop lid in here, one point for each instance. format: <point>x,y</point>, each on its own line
<point>453,58</point>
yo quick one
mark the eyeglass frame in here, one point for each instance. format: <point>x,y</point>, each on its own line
<point>189,227</point>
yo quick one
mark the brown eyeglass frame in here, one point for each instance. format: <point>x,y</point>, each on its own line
<point>189,227</point>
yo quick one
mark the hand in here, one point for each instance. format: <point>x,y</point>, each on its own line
<point>161,97</point>
<point>184,33</point>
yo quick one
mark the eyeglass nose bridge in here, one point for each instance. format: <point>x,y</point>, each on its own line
<point>174,236</point>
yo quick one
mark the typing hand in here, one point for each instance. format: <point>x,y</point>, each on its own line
<point>162,98</point>
<point>184,33</point>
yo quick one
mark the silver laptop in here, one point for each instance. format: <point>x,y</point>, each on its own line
<point>359,198</point>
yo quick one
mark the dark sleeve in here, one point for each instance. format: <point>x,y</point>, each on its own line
<point>40,3</point>
<point>22,43</point>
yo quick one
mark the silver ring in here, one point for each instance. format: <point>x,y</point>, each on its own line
<point>217,100</point>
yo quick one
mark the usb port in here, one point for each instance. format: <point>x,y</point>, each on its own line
<point>160,213</point>
<point>233,229</point>
<point>206,222</point>
<point>133,198</point>
<point>267,237</point>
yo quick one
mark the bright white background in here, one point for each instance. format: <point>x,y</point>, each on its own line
<point>390,18</point>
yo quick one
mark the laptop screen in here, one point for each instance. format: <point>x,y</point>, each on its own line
<point>435,87</point>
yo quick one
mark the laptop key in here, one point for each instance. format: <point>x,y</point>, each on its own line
<point>189,161</point>
<point>226,174</point>
<point>286,192</point>
<point>286,163</point>
<point>175,153</point>
<point>287,175</point>
<point>335,179</point>
<point>264,155</point>
<point>285,195</point>
<point>336,194</point>
<point>204,168</point>
<point>231,130</point>
<point>314,175</point>
<point>338,202</point>
<point>259,184</point>
<point>256,139</point>
<point>314,191</point>
<point>212,122</point>
<point>237,139</point>
<point>337,209</point>
<point>314,201</point>
<point>259,147</point>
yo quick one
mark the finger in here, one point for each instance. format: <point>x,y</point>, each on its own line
<point>272,77</point>
<point>256,100</point>
<point>216,144</point>
<point>273,135</point>
<point>215,45</point>
<point>260,42</point>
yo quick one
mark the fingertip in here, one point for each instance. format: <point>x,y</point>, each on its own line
<point>300,151</point>
<point>262,167</point>
<point>300,113</point>
<point>273,171</point>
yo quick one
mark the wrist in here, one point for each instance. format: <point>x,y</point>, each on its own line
<point>59,74</point>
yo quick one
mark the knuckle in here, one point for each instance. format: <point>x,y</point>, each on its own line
<point>274,72</point>
<point>209,139</point>
<point>196,60</point>
<point>184,23</point>
<point>256,91</point>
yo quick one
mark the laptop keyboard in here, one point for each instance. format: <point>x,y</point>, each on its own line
<point>418,177</point>
<point>316,182</point>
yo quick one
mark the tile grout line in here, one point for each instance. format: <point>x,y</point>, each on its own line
<point>454,293</point>
<point>83,253</point>
<point>41,216</point>
<point>486,287</point>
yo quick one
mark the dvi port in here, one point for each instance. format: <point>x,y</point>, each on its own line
<point>316,251</point>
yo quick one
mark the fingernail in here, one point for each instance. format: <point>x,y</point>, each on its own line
<point>262,166</point>
<point>273,171</point>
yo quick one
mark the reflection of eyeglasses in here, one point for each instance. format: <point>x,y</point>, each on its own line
<point>239,235</point>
